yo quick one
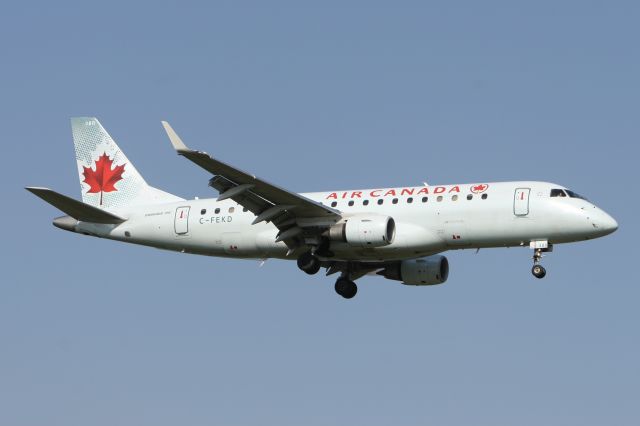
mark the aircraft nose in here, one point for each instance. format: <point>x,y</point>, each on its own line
<point>605,223</point>
<point>609,223</point>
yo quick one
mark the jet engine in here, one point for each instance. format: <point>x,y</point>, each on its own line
<point>430,270</point>
<point>365,230</point>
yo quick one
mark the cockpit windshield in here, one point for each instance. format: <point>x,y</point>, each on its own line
<point>575,195</point>
<point>557,192</point>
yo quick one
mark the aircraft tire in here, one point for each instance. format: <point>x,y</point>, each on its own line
<point>346,288</point>
<point>538,271</point>
<point>309,263</point>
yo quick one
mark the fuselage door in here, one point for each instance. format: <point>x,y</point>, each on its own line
<point>521,201</point>
<point>181,222</point>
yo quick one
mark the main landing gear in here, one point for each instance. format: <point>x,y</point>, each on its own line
<point>309,263</point>
<point>538,270</point>
<point>346,288</point>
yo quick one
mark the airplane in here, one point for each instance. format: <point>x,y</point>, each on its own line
<point>397,233</point>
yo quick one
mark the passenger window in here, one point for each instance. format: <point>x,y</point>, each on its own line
<point>203,211</point>
<point>454,198</point>
<point>439,198</point>
<point>216,211</point>
<point>558,193</point>
<point>365,203</point>
<point>232,209</point>
<point>469,197</point>
<point>335,203</point>
<point>380,201</point>
<point>350,203</point>
<point>395,201</point>
<point>409,200</point>
<point>484,196</point>
<point>425,199</point>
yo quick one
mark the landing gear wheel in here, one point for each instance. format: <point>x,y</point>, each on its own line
<point>309,263</point>
<point>538,271</point>
<point>346,288</point>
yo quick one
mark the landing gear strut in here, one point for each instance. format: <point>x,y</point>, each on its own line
<point>346,288</point>
<point>309,263</point>
<point>538,270</point>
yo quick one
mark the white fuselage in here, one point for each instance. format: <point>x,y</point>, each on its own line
<point>452,217</point>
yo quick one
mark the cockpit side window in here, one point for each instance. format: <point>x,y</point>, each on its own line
<point>558,193</point>
<point>574,195</point>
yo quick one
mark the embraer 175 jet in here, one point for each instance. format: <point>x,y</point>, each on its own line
<point>397,233</point>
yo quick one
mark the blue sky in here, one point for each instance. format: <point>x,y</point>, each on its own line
<point>316,97</point>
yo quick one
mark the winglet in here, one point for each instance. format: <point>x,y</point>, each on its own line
<point>177,143</point>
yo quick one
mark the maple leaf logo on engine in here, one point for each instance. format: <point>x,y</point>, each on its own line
<point>103,178</point>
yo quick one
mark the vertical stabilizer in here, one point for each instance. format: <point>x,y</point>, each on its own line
<point>107,177</point>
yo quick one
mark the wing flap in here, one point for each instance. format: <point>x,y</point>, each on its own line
<point>74,208</point>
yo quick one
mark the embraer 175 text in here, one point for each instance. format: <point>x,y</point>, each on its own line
<point>393,232</point>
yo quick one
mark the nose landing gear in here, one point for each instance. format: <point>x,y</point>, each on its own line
<point>538,270</point>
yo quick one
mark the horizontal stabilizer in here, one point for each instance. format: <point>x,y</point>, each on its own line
<point>74,208</point>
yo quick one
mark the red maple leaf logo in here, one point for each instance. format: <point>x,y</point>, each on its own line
<point>479,188</point>
<point>103,178</point>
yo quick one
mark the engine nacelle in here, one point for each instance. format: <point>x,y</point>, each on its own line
<point>430,270</point>
<point>365,230</point>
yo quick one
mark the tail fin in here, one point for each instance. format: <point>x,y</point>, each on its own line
<point>107,177</point>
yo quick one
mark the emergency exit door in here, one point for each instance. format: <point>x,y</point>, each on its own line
<point>181,223</point>
<point>521,201</point>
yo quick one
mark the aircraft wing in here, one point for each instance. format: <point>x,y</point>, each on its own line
<point>267,201</point>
